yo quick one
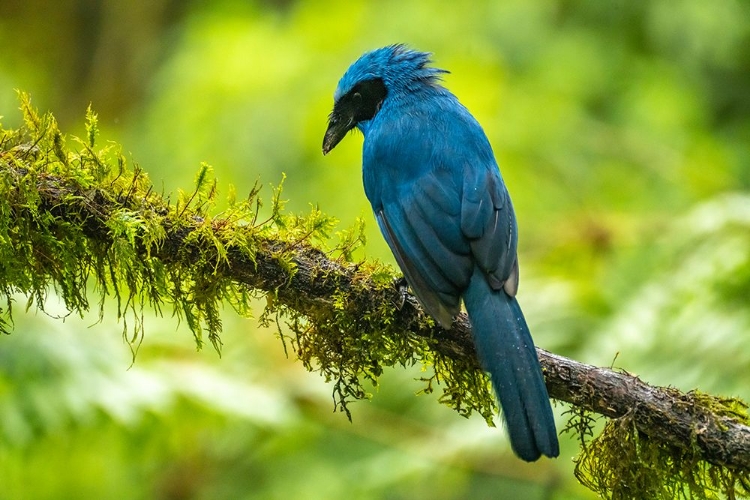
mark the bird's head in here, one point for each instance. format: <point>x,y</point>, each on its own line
<point>374,77</point>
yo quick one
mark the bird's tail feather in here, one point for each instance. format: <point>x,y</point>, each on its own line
<point>507,352</point>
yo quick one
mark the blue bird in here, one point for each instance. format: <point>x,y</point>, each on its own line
<point>435,188</point>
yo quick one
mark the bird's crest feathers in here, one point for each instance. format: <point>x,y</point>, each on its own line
<point>400,68</point>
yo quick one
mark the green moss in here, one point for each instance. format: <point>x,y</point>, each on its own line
<point>82,217</point>
<point>622,463</point>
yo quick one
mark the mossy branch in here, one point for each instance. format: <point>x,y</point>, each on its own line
<point>73,218</point>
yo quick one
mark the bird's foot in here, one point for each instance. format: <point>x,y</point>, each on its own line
<point>402,286</point>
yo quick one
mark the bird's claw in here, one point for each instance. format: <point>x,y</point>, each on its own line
<point>402,286</point>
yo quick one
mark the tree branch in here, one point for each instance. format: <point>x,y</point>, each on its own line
<point>675,418</point>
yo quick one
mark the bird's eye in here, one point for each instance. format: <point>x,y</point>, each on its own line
<point>357,96</point>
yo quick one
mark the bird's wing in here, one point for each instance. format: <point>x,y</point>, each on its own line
<point>422,227</point>
<point>488,222</point>
<point>441,204</point>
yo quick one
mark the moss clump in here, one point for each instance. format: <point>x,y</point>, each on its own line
<point>81,219</point>
<point>622,462</point>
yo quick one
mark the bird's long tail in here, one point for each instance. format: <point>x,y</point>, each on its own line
<point>507,352</point>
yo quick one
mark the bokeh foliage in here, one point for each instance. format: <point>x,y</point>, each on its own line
<point>622,129</point>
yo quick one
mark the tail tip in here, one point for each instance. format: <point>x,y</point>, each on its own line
<point>531,452</point>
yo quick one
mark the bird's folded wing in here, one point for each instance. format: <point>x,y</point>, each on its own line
<point>422,227</point>
<point>488,222</point>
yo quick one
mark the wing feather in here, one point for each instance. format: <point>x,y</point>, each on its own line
<point>439,306</point>
<point>488,221</point>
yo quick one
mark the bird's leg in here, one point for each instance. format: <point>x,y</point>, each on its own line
<point>402,286</point>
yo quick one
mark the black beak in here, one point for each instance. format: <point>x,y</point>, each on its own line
<point>338,126</point>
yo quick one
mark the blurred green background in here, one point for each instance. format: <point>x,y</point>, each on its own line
<point>622,129</point>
